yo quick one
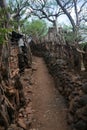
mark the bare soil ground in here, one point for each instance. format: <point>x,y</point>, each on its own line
<point>49,109</point>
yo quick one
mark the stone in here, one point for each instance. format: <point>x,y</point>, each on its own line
<point>84,87</point>
<point>21,123</point>
<point>81,113</point>
<point>83,100</point>
<point>13,127</point>
<point>80,125</point>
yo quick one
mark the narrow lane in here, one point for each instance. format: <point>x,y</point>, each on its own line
<point>48,105</point>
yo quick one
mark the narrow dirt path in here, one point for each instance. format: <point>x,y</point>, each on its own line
<point>48,104</point>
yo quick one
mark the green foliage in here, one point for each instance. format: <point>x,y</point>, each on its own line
<point>3,32</point>
<point>71,36</point>
<point>3,22</point>
<point>35,28</point>
<point>3,17</point>
<point>83,44</point>
<point>67,27</point>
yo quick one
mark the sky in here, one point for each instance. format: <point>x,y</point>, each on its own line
<point>63,20</point>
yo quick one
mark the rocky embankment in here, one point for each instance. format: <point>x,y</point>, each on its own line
<point>73,87</point>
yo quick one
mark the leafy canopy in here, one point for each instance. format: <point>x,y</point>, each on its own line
<point>35,28</point>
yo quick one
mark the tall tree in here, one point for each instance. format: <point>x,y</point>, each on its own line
<point>45,9</point>
<point>17,11</point>
<point>77,5</point>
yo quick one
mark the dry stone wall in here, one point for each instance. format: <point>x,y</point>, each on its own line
<point>11,89</point>
<point>71,85</point>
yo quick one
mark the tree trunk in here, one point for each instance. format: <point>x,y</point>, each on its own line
<point>5,46</point>
<point>68,15</point>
